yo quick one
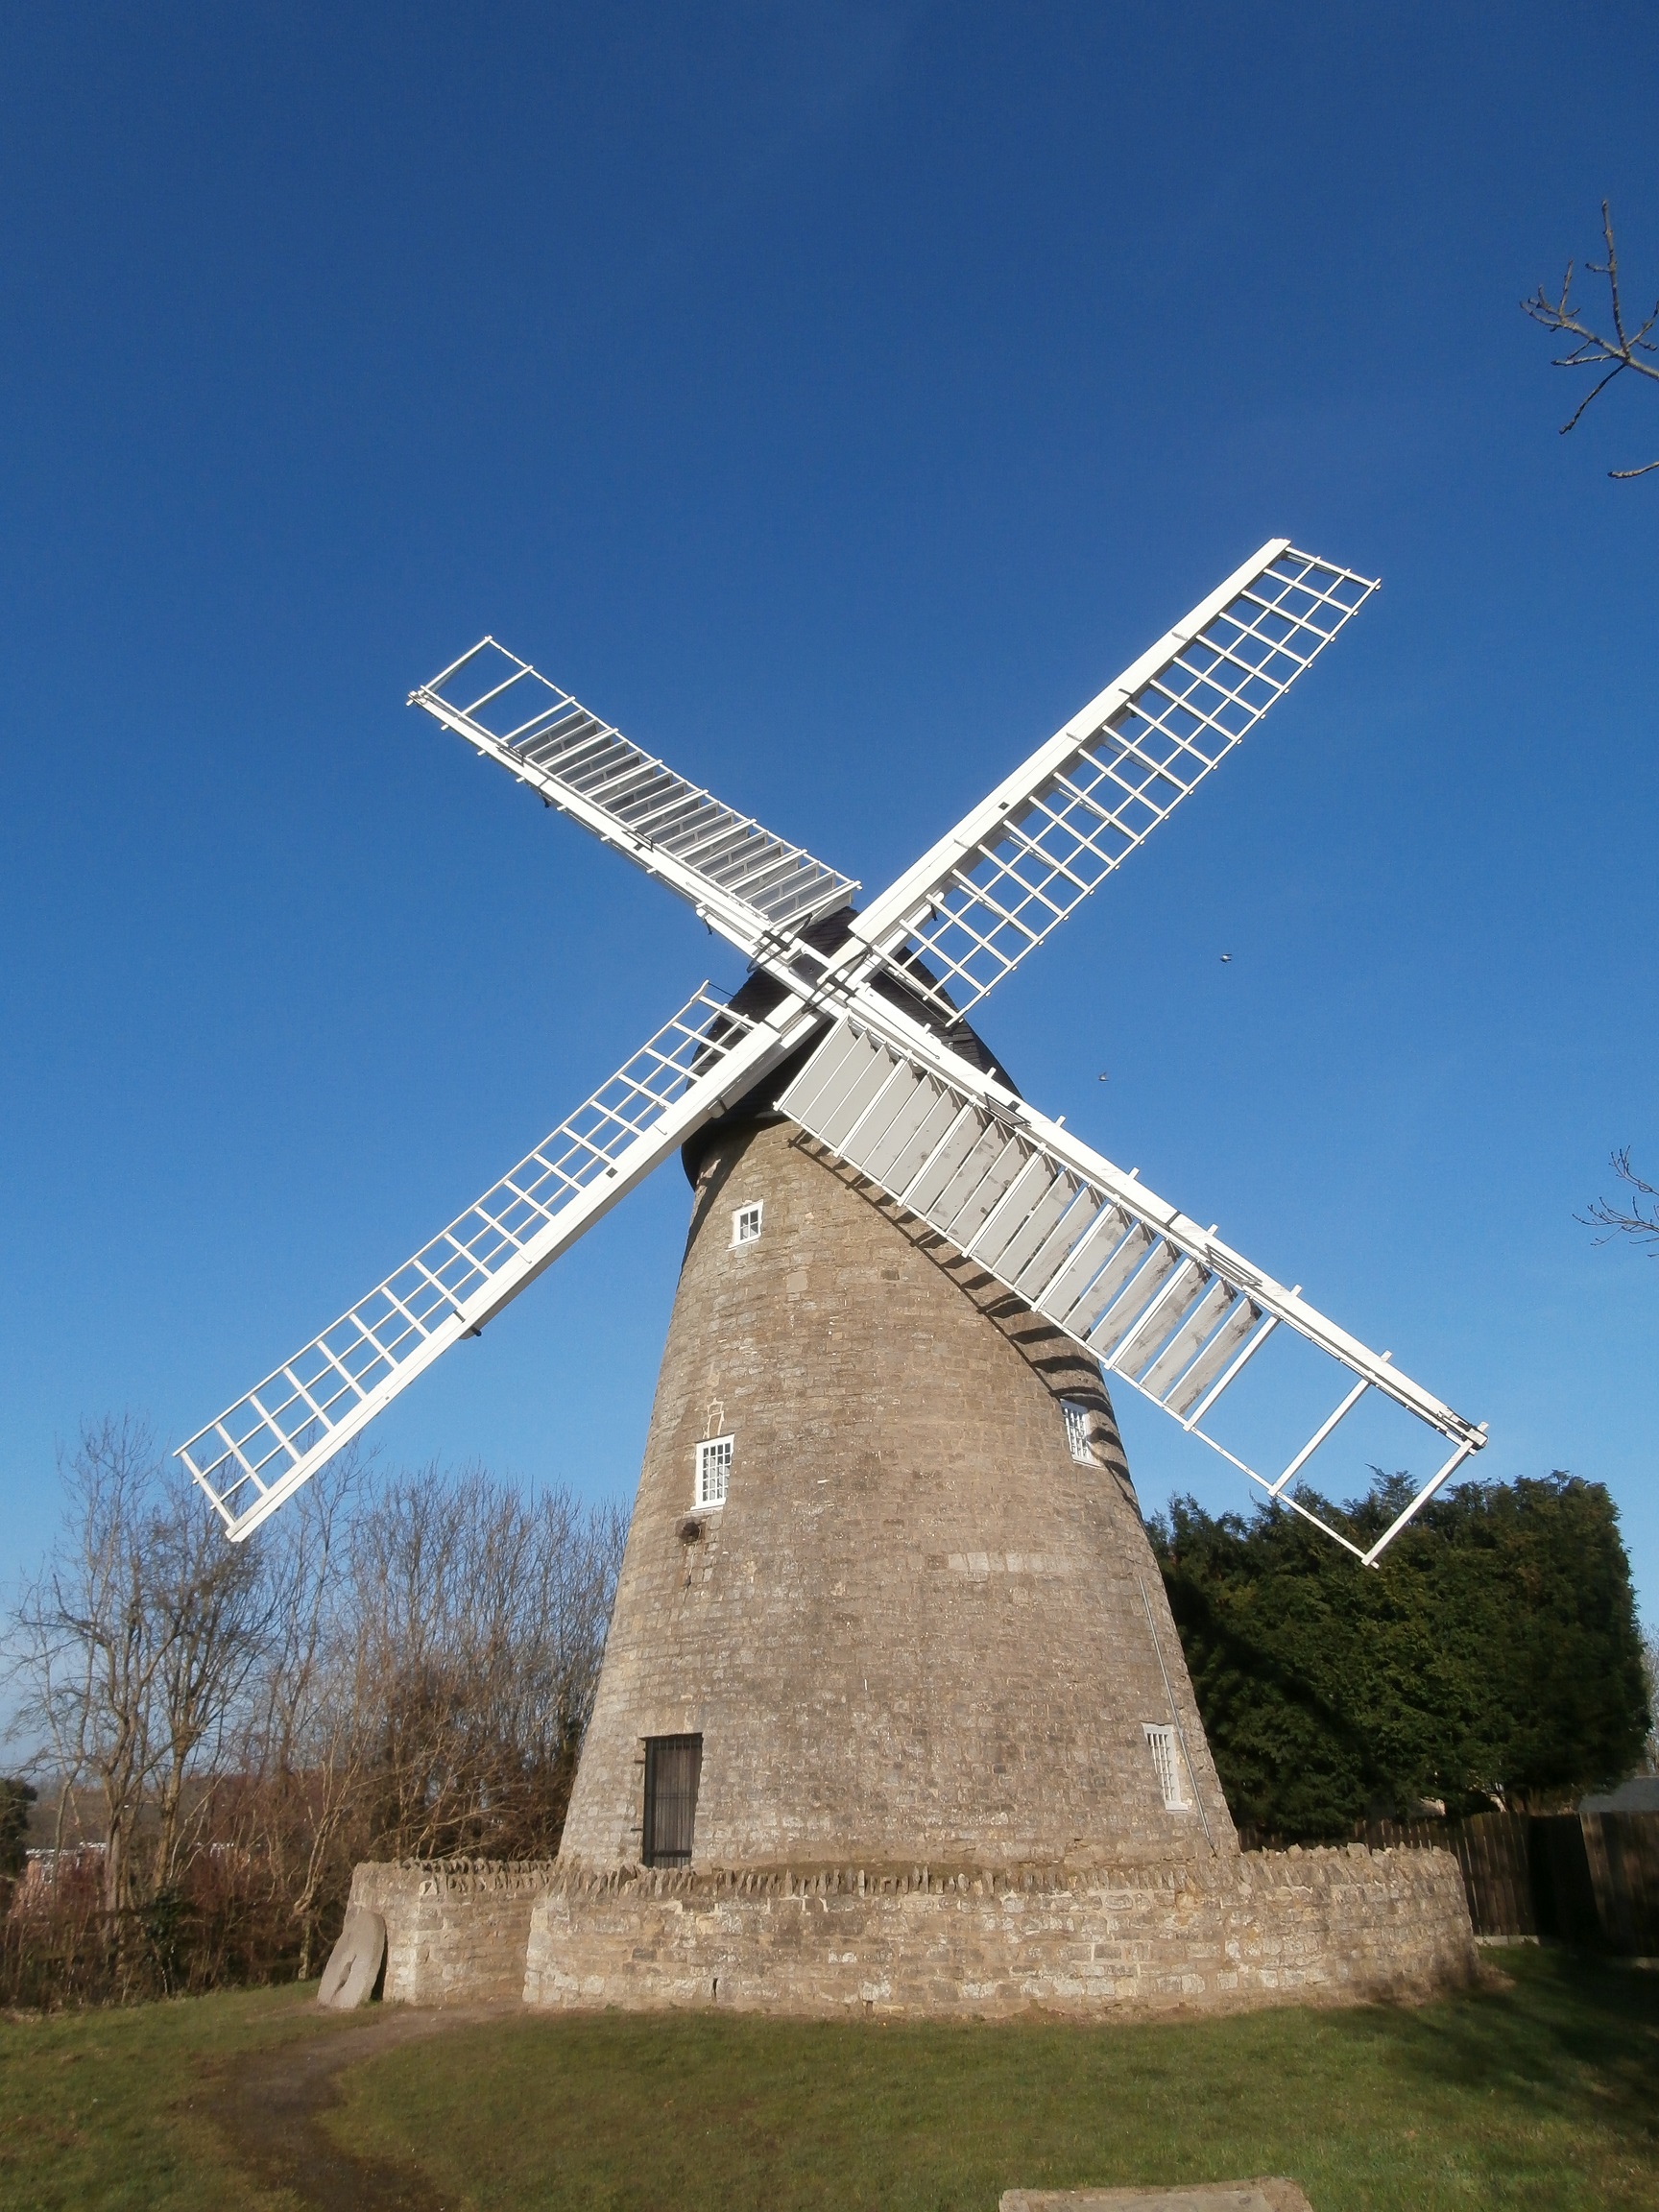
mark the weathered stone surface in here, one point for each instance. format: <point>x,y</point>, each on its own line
<point>916,1631</point>
<point>457,1929</point>
<point>1329,1926</point>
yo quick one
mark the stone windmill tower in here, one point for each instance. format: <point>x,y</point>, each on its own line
<point>886,1593</point>
<point>887,1599</point>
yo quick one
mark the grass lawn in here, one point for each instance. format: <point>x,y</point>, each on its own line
<point>101,2108</point>
<point>1543,2095</point>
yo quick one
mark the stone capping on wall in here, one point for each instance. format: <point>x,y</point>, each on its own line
<point>466,1877</point>
<point>1315,1866</point>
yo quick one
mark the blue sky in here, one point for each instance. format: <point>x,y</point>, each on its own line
<point>835,397</point>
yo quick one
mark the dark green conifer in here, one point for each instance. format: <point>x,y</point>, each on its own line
<point>1494,1656</point>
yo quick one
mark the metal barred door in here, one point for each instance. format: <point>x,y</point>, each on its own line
<point>672,1766</point>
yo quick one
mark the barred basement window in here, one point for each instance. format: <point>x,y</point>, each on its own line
<point>1077,1430</point>
<point>1161,1742</point>
<point>746,1225</point>
<point>713,1466</point>
<point>673,1767</point>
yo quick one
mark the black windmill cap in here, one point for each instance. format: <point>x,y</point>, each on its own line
<point>762,991</point>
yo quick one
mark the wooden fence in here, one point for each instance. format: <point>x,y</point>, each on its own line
<point>1585,1878</point>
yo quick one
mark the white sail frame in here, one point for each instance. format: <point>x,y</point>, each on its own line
<point>268,1442</point>
<point>1165,1306</point>
<point>757,888</point>
<point>1162,1303</point>
<point>994,887</point>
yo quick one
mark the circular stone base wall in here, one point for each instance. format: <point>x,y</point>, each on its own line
<point>1331,1926</point>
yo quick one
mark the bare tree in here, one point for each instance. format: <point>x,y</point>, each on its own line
<point>213,1609</point>
<point>304,1741</point>
<point>481,1620</point>
<point>1626,1218</point>
<point>86,1649</point>
<point>406,1669</point>
<point>1626,348</point>
<point>133,1643</point>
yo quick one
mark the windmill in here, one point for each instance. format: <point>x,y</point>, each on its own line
<point>882,1000</point>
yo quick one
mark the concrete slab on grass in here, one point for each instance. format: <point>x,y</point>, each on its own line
<point>1271,2193</point>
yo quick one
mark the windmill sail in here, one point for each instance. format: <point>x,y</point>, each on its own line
<point>993,888</point>
<point>750,883</point>
<point>261,1449</point>
<point>1155,1299</point>
<point>1151,1295</point>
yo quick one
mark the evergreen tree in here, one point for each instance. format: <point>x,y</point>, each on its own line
<point>1493,1656</point>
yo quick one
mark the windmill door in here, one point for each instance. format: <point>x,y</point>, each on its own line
<point>672,1766</point>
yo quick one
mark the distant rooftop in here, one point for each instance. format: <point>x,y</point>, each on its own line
<point>1640,1794</point>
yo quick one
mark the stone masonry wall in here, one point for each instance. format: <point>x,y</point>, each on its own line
<point>918,1629</point>
<point>1339,1926</point>
<point>457,1929</point>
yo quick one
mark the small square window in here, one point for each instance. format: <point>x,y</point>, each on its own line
<point>713,1467</point>
<point>746,1225</point>
<point>1161,1742</point>
<point>1077,1431</point>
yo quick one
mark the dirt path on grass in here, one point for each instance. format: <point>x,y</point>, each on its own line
<point>269,2109</point>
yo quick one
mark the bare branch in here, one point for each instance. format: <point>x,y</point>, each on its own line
<point>1626,1218</point>
<point>1622,351</point>
<point>1594,394</point>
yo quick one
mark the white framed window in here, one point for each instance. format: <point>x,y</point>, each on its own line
<point>746,1224</point>
<point>1077,1430</point>
<point>1167,1761</point>
<point>713,1467</point>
